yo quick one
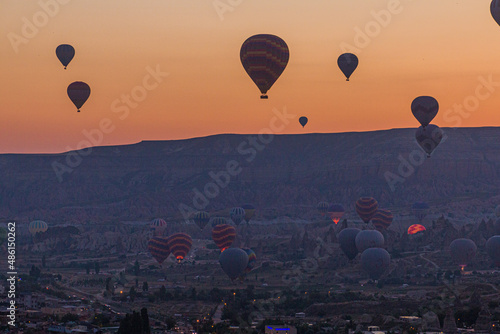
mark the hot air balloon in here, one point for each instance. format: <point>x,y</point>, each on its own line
<point>234,262</point>
<point>495,10</point>
<point>420,210</point>
<point>336,211</point>
<point>303,121</point>
<point>369,239</point>
<point>366,208</point>
<point>415,228</point>
<point>424,108</point>
<point>78,93</point>
<point>322,208</point>
<point>201,218</point>
<point>158,226</point>
<point>264,58</point>
<point>223,236</point>
<point>382,219</point>
<point>237,215</point>
<point>249,211</point>
<point>214,221</point>
<point>65,53</point>
<point>493,249</point>
<point>375,262</point>
<point>463,251</point>
<point>347,63</point>
<point>347,241</point>
<point>158,248</point>
<point>252,260</point>
<point>429,138</point>
<point>179,245</point>
<point>37,226</point>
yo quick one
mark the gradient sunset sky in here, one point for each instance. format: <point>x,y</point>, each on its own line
<point>438,48</point>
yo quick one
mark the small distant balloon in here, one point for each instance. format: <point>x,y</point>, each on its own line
<point>415,228</point>
<point>463,251</point>
<point>237,214</point>
<point>179,244</point>
<point>322,208</point>
<point>303,121</point>
<point>424,108</point>
<point>65,53</point>
<point>158,248</point>
<point>201,219</point>
<point>420,210</point>
<point>382,219</point>
<point>347,62</point>
<point>336,211</point>
<point>429,138</point>
<point>78,93</point>
<point>366,208</point>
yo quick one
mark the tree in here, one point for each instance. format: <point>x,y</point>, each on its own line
<point>170,322</point>
<point>69,317</point>
<point>97,267</point>
<point>43,261</point>
<point>145,321</point>
<point>137,268</point>
<point>163,293</point>
<point>145,286</point>
<point>132,294</point>
<point>87,267</point>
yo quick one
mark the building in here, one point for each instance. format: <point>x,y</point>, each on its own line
<point>280,329</point>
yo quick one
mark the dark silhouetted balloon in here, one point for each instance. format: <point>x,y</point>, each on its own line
<point>420,210</point>
<point>234,262</point>
<point>158,248</point>
<point>369,239</point>
<point>264,58</point>
<point>336,211</point>
<point>347,241</point>
<point>201,218</point>
<point>493,249</point>
<point>158,226</point>
<point>179,245</point>
<point>424,108</point>
<point>463,251</point>
<point>375,262</point>
<point>249,211</point>
<point>78,93</point>
<point>347,63</point>
<point>223,236</point>
<point>495,10</point>
<point>65,53</point>
<point>303,121</point>
<point>237,214</point>
<point>382,219</point>
<point>429,138</point>
<point>415,228</point>
<point>366,208</point>
<point>322,208</point>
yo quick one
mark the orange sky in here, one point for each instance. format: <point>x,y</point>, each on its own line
<point>437,48</point>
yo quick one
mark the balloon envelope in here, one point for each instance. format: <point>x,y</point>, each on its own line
<point>366,208</point>
<point>237,214</point>
<point>369,239</point>
<point>158,248</point>
<point>252,260</point>
<point>375,262</point>
<point>347,241</point>
<point>424,108</point>
<point>158,226</point>
<point>429,138</point>
<point>233,261</point>
<point>382,219</point>
<point>78,93</point>
<point>347,62</point>
<point>201,219</point>
<point>495,10</point>
<point>493,249</point>
<point>65,54</point>
<point>322,208</point>
<point>463,251</point>
<point>415,228</point>
<point>336,211</point>
<point>303,121</point>
<point>223,236</point>
<point>179,245</point>
<point>38,226</point>
<point>264,58</point>
<point>249,211</point>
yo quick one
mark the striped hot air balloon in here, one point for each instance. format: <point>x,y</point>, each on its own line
<point>335,212</point>
<point>158,226</point>
<point>214,221</point>
<point>264,58</point>
<point>366,208</point>
<point>223,235</point>
<point>158,248</point>
<point>237,214</point>
<point>415,228</point>
<point>322,208</point>
<point>179,245</point>
<point>201,218</point>
<point>252,260</point>
<point>382,219</point>
<point>38,226</point>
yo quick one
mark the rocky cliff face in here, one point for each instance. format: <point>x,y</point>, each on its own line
<point>286,176</point>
